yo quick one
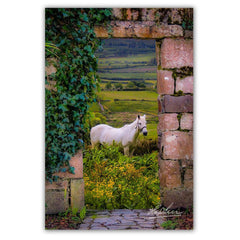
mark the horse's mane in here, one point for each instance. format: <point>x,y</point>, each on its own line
<point>127,125</point>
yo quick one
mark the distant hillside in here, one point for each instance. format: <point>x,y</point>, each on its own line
<point>128,60</point>
<point>124,47</point>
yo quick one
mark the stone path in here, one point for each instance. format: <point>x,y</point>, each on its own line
<point>122,219</point>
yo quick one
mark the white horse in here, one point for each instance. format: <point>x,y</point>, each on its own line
<point>126,136</point>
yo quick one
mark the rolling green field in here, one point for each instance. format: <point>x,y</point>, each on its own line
<point>122,62</point>
<point>128,75</point>
<point>125,60</point>
<point>133,95</point>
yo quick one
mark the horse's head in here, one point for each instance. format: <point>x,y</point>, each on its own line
<point>142,124</point>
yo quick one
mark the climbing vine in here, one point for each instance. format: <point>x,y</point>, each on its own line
<point>72,43</point>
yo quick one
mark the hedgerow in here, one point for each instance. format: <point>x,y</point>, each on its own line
<point>71,41</point>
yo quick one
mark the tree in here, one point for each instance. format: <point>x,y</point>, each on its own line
<point>108,86</point>
<point>131,85</point>
<point>118,86</point>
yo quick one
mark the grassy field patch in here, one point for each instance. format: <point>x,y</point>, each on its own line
<point>137,95</point>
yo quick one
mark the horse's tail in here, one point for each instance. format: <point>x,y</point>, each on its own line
<point>94,136</point>
<point>91,137</point>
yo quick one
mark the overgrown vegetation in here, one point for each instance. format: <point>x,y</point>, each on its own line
<point>169,225</point>
<point>70,219</point>
<point>115,181</point>
<point>71,33</point>
<point>183,221</point>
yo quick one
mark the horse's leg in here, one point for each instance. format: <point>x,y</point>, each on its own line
<point>126,151</point>
<point>95,145</point>
<point>131,153</point>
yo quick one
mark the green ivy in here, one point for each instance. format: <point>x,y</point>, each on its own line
<point>70,35</point>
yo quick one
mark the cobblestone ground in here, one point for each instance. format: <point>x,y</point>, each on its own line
<point>121,219</point>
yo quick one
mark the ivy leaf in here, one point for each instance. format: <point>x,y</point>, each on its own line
<point>184,24</point>
<point>71,170</point>
<point>107,12</point>
<point>63,108</point>
<point>66,156</point>
<point>88,48</point>
<point>85,17</point>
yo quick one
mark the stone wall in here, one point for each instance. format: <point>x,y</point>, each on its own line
<point>68,191</point>
<point>174,54</point>
<point>175,129</point>
<point>146,23</point>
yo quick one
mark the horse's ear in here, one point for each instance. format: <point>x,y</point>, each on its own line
<point>138,116</point>
<point>144,115</point>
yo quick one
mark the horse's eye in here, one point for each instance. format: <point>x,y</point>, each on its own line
<point>139,123</point>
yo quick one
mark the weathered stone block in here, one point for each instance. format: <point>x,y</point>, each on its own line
<point>175,16</point>
<point>168,121</point>
<point>169,173</point>
<point>166,31</point>
<point>177,145</point>
<point>186,121</point>
<point>178,104</point>
<point>101,31</point>
<point>123,29</point>
<point>165,82</point>
<point>76,162</point>
<point>137,29</point>
<point>177,198</point>
<point>56,201</point>
<point>117,13</point>
<point>141,30</point>
<point>148,14</point>
<point>133,14</point>
<point>56,196</point>
<point>187,163</point>
<point>158,48</point>
<point>77,193</point>
<point>185,84</point>
<point>59,185</point>
<point>188,34</point>
<point>176,53</point>
<point>51,66</point>
<point>188,178</point>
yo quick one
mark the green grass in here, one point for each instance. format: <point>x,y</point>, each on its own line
<point>128,76</point>
<point>149,83</point>
<point>137,95</point>
<point>140,107</point>
<point>136,69</point>
<point>121,62</point>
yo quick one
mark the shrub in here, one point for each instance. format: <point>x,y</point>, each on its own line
<point>115,181</point>
<point>145,146</point>
<point>108,86</point>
